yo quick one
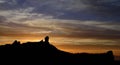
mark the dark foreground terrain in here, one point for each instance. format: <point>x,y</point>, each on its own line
<point>43,53</point>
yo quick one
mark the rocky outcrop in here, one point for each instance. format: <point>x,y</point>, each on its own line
<point>44,53</point>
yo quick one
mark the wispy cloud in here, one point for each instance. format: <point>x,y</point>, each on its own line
<point>90,19</point>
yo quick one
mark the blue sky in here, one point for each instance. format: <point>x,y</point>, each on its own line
<point>95,20</point>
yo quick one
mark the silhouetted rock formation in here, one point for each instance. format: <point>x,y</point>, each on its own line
<point>15,43</point>
<point>47,39</point>
<point>43,53</point>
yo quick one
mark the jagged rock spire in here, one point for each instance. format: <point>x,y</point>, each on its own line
<point>47,39</point>
<point>16,42</point>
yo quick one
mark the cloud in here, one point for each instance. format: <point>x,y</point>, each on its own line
<point>106,9</point>
<point>65,28</point>
<point>82,30</point>
<point>2,1</point>
<point>2,19</point>
<point>94,19</point>
<point>83,10</point>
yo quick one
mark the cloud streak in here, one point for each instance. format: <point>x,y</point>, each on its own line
<point>90,19</point>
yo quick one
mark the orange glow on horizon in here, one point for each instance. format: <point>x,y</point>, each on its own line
<point>91,49</point>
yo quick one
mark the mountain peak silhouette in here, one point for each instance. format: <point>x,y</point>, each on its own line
<point>47,39</point>
<point>44,53</point>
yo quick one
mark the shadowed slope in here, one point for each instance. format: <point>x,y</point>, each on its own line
<point>43,53</point>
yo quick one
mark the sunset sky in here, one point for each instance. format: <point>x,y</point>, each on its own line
<point>72,22</point>
<point>67,21</point>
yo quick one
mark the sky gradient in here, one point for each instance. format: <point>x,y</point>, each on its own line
<point>67,21</point>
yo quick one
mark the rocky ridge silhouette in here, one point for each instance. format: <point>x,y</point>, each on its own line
<point>44,53</point>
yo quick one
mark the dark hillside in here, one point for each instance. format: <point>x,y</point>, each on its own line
<point>43,53</point>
